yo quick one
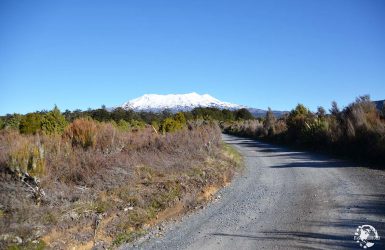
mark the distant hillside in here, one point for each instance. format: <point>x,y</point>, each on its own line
<point>262,113</point>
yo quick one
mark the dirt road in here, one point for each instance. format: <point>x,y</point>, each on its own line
<point>284,200</point>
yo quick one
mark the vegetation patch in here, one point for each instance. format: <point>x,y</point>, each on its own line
<point>79,183</point>
<point>356,132</point>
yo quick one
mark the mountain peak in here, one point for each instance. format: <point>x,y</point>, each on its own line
<point>176,102</point>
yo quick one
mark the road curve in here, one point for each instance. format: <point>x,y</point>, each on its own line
<point>283,199</point>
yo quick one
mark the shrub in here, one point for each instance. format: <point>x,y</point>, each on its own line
<point>24,154</point>
<point>123,125</point>
<point>30,123</point>
<point>53,122</point>
<point>172,124</point>
<point>180,118</point>
<point>82,132</point>
<point>357,131</point>
<point>298,122</point>
<point>107,138</point>
<point>12,122</point>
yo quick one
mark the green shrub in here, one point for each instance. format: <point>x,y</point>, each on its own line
<point>12,122</point>
<point>30,123</point>
<point>53,122</point>
<point>172,124</point>
<point>123,125</point>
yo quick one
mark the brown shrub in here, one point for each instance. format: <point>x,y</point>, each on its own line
<point>82,132</point>
<point>22,153</point>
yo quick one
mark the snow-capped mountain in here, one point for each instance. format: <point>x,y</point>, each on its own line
<point>176,102</point>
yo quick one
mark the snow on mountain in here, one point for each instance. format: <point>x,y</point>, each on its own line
<point>176,102</point>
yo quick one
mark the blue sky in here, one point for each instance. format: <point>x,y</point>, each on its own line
<point>81,54</point>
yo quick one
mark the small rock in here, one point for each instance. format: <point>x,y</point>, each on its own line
<point>17,240</point>
<point>4,237</point>
<point>73,215</point>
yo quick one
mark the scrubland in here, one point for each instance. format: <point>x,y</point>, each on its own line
<point>97,184</point>
<point>356,132</point>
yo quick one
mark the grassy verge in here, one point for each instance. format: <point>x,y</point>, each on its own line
<point>233,154</point>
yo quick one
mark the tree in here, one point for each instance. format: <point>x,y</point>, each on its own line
<point>100,115</point>
<point>53,122</point>
<point>298,121</point>
<point>321,112</point>
<point>120,114</point>
<point>334,109</point>
<point>227,115</point>
<point>12,121</point>
<point>180,118</point>
<point>243,114</point>
<point>269,123</point>
<point>30,123</point>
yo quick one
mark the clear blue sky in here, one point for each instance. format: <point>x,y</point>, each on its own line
<point>80,54</point>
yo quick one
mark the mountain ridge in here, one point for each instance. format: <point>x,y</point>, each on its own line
<point>176,102</point>
<point>186,102</point>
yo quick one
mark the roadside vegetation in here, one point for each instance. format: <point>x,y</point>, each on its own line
<point>356,132</point>
<point>98,178</point>
<point>103,178</point>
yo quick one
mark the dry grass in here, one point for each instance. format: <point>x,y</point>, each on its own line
<point>99,179</point>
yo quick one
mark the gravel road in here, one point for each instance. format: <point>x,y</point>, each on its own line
<point>283,199</point>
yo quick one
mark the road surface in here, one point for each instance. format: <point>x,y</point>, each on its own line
<point>283,199</point>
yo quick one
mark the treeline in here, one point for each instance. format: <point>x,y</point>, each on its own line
<point>51,122</point>
<point>356,131</point>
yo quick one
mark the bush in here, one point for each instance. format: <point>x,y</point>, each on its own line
<point>53,122</point>
<point>357,131</point>
<point>172,124</point>
<point>30,123</point>
<point>23,154</point>
<point>82,132</point>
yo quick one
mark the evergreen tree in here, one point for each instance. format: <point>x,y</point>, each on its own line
<point>269,122</point>
<point>53,122</point>
<point>30,123</point>
<point>243,114</point>
<point>334,109</point>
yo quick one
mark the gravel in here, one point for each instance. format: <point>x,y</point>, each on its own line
<point>283,199</point>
